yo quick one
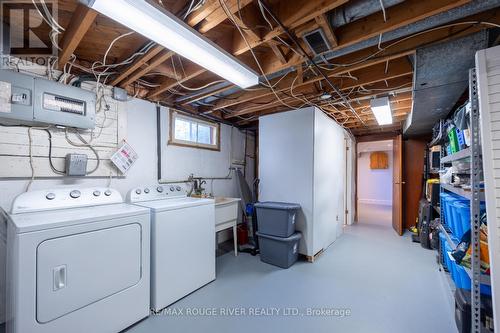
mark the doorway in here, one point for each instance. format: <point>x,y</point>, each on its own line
<point>375,172</point>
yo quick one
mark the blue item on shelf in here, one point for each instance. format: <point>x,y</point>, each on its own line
<point>443,196</point>
<point>461,138</point>
<point>463,281</point>
<point>451,215</point>
<point>442,244</point>
<point>447,260</point>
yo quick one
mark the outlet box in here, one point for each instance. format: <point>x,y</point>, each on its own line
<point>76,164</point>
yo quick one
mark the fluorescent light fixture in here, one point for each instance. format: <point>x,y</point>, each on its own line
<point>381,108</point>
<point>167,30</point>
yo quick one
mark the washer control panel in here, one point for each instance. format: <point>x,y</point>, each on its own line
<point>64,197</point>
<point>157,192</point>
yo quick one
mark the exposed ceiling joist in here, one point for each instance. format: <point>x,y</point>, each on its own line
<point>82,19</point>
<point>398,68</point>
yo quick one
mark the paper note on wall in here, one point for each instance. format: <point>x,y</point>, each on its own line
<point>124,158</point>
<point>5,94</point>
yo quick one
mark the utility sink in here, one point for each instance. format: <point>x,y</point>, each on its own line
<point>224,200</point>
<point>226,216</point>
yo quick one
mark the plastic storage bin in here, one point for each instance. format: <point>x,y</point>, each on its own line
<point>278,251</point>
<point>458,228</point>
<point>463,213</point>
<point>442,243</point>
<point>276,218</point>
<point>443,203</point>
<point>462,279</point>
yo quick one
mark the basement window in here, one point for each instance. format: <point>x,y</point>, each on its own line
<point>188,131</point>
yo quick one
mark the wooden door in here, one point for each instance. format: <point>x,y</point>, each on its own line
<point>397,190</point>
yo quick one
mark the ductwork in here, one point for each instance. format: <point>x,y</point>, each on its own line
<point>357,9</point>
<point>441,77</point>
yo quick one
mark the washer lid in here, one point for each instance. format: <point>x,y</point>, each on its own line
<point>178,203</point>
<point>28,222</point>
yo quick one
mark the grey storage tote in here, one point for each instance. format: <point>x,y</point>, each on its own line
<point>276,218</point>
<point>277,251</point>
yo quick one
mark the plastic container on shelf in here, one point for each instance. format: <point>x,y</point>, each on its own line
<point>461,139</point>
<point>447,259</point>
<point>463,281</point>
<point>452,135</point>
<point>443,204</point>
<point>451,215</point>
<point>442,246</point>
<point>463,212</point>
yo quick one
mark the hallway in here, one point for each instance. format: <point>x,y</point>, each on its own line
<point>375,214</point>
<point>356,273</point>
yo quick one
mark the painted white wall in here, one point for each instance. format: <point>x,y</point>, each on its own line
<point>178,162</point>
<point>374,186</point>
<point>329,180</point>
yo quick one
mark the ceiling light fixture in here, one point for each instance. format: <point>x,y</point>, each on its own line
<point>167,30</point>
<point>324,96</point>
<point>381,108</point>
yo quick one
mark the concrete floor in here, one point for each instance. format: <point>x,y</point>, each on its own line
<point>388,284</point>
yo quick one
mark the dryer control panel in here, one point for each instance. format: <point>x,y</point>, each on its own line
<point>65,197</point>
<point>157,192</point>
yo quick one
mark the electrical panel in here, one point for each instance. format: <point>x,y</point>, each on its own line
<point>28,100</point>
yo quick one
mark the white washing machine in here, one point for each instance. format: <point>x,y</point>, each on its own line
<point>182,241</point>
<point>77,261</point>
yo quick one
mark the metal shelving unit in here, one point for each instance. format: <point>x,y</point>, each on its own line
<point>475,195</point>
<point>462,154</point>
<point>461,192</point>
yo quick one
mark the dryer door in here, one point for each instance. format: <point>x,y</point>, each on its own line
<point>78,270</point>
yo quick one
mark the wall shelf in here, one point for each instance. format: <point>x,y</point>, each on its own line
<point>460,191</point>
<point>462,154</point>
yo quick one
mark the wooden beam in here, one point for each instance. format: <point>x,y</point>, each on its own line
<point>192,70</point>
<point>142,61</point>
<point>82,19</point>
<point>219,14</point>
<point>278,52</point>
<point>155,62</point>
<point>323,23</point>
<point>199,15</point>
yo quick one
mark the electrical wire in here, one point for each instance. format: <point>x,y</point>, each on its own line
<point>191,88</point>
<point>54,169</point>
<point>86,144</point>
<point>31,161</point>
<point>224,6</point>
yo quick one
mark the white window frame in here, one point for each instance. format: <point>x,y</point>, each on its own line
<point>174,114</point>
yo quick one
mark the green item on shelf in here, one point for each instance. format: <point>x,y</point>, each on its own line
<point>452,135</point>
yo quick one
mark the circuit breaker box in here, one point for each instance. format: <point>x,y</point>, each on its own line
<point>28,100</point>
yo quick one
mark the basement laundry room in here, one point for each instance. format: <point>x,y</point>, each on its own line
<point>249,165</point>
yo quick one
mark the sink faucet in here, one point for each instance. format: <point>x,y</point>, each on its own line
<point>198,186</point>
